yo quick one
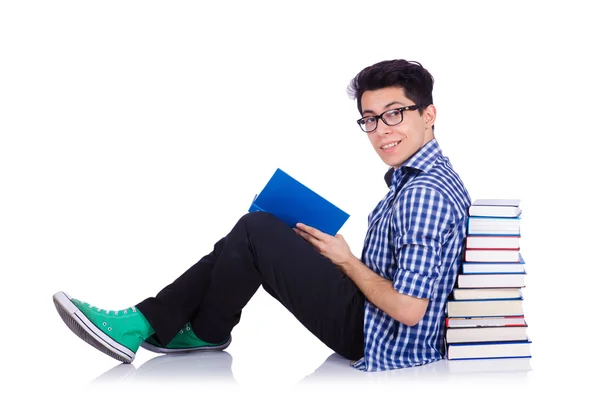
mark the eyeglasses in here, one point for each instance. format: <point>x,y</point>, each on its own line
<point>389,117</point>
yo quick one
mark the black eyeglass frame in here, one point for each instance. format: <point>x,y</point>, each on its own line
<point>402,109</point>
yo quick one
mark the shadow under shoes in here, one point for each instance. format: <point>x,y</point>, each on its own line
<point>184,341</point>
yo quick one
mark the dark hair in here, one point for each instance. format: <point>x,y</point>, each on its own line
<point>410,75</point>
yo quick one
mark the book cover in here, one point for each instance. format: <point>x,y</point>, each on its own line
<point>503,202</point>
<point>492,255</point>
<point>485,308</point>
<point>505,367</point>
<point>493,280</point>
<point>496,207</point>
<point>493,226</point>
<point>497,321</point>
<point>493,242</point>
<point>485,293</point>
<point>494,211</point>
<point>293,202</point>
<point>494,267</point>
<point>479,350</point>
<point>486,334</point>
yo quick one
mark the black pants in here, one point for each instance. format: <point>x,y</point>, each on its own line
<point>261,250</point>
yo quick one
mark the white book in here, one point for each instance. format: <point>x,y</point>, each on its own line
<point>485,307</point>
<point>486,293</point>
<point>493,242</point>
<point>496,207</point>
<point>499,321</point>
<point>485,255</point>
<point>504,212</point>
<point>504,367</point>
<point>485,334</point>
<point>494,226</point>
<point>508,280</point>
<point>491,267</point>
<point>457,351</point>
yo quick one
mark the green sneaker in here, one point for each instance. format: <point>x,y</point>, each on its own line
<point>184,341</point>
<point>116,333</point>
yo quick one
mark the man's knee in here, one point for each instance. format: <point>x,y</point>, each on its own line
<point>262,220</point>
<point>266,228</point>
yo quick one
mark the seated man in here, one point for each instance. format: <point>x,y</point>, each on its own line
<point>384,310</point>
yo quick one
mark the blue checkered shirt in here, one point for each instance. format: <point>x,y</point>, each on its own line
<point>415,238</point>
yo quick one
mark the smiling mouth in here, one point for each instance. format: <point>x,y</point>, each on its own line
<point>390,145</point>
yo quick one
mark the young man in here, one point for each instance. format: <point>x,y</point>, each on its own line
<point>384,310</point>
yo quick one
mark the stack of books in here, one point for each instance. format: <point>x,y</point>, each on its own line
<point>484,314</point>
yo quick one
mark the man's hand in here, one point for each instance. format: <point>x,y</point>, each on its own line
<point>334,248</point>
<point>403,308</point>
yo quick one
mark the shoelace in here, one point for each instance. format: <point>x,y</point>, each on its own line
<point>98,309</point>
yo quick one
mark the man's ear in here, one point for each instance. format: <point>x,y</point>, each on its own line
<point>429,115</point>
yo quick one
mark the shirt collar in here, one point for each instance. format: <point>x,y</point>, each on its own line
<point>422,160</point>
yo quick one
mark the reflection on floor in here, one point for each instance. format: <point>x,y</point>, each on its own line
<point>187,367</point>
<point>336,369</point>
<point>216,367</point>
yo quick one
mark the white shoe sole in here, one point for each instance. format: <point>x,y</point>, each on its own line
<point>164,350</point>
<point>86,330</point>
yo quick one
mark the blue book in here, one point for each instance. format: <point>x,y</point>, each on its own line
<point>293,202</point>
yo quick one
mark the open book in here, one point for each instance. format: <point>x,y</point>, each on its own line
<point>293,202</point>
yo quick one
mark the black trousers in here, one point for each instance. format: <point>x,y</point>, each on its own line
<point>261,250</point>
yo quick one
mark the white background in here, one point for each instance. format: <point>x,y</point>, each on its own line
<point>134,134</point>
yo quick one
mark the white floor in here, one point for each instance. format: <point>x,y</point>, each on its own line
<point>273,354</point>
<point>214,371</point>
<point>216,368</point>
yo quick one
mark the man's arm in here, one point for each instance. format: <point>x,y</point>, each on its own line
<point>420,221</point>
<point>380,291</point>
<point>404,308</point>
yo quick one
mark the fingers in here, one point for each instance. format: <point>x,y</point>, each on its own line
<point>311,239</point>
<point>313,231</point>
<point>304,235</point>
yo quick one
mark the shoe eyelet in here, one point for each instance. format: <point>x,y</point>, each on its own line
<point>104,323</point>
<point>109,328</point>
<point>181,331</point>
<point>187,328</point>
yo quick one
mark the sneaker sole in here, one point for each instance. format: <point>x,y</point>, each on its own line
<point>86,330</point>
<point>157,349</point>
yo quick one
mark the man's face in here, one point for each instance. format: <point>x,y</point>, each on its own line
<point>409,136</point>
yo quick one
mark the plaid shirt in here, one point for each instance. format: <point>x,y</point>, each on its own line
<point>414,239</point>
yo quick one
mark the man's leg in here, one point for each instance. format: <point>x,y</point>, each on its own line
<point>262,250</point>
<point>180,301</point>
<point>119,333</point>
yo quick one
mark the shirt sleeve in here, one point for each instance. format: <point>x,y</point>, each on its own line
<point>421,223</point>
